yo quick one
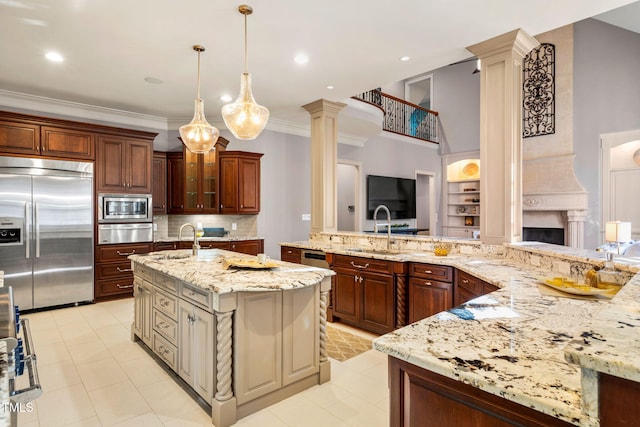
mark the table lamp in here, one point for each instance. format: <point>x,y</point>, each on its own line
<point>617,231</point>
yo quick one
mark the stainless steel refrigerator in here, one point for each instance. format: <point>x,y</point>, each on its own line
<point>46,230</point>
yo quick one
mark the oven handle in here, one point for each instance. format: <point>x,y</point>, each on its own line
<point>34,390</point>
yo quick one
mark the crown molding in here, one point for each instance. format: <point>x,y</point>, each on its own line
<point>79,110</point>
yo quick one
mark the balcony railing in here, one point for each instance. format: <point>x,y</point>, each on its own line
<point>402,117</point>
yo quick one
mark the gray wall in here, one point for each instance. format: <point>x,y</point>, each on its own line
<point>606,99</point>
<point>390,157</point>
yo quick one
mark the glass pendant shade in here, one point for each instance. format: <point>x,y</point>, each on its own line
<point>199,136</point>
<point>244,117</point>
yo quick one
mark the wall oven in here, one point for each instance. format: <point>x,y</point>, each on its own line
<point>119,208</point>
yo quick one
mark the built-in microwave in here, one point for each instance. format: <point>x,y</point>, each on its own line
<point>124,208</point>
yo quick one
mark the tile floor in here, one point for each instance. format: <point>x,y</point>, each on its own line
<point>94,375</point>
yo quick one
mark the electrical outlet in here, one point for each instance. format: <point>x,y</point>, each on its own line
<point>306,217</point>
<point>234,226</point>
<point>155,227</point>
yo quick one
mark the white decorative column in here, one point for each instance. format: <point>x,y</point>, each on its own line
<point>324,155</point>
<point>501,135</point>
<point>575,228</point>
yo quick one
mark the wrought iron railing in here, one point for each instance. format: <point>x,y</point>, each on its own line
<point>403,117</point>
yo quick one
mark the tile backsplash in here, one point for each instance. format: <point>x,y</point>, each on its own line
<point>169,225</point>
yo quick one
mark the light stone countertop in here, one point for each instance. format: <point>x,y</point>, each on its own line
<point>522,344</point>
<point>207,272</point>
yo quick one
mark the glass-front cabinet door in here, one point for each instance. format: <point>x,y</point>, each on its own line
<point>201,179</point>
<point>209,181</point>
<point>192,180</point>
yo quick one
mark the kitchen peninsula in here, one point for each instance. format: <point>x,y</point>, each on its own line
<point>517,355</point>
<point>242,339</point>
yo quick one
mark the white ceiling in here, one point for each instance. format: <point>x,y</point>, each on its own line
<point>111,46</point>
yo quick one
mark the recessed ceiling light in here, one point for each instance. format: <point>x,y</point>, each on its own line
<point>405,58</point>
<point>330,87</point>
<point>226,98</point>
<point>301,59</point>
<point>54,57</point>
<point>153,80</point>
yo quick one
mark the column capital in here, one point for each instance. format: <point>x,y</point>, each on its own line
<point>324,106</point>
<point>517,41</point>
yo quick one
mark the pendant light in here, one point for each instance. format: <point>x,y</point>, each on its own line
<point>244,117</point>
<point>199,136</point>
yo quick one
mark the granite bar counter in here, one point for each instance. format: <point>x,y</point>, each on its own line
<point>241,338</point>
<point>519,344</point>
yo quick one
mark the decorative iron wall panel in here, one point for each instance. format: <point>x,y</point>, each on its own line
<point>539,91</point>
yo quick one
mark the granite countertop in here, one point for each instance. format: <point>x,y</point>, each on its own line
<point>207,272</point>
<point>518,342</point>
<point>205,239</point>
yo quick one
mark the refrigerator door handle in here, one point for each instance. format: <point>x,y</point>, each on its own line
<point>36,220</point>
<point>27,228</point>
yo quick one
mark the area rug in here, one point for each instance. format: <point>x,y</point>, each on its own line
<point>342,345</point>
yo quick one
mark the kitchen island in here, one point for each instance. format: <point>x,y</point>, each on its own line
<point>518,355</point>
<point>242,339</point>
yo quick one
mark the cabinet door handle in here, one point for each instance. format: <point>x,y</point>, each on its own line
<point>359,266</point>
<point>241,206</point>
<point>164,302</point>
<point>124,286</point>
<point>124,270</point>
<point>428,272</point>
<point>465,281</point>
<point>126,253</point>
<point>360,279</point>
<point>428,283</point>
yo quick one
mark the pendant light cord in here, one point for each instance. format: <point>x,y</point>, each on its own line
<point>246,55</point>
<point>198,75</point>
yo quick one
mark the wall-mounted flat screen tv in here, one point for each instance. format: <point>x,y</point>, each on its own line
<point>398,194</point>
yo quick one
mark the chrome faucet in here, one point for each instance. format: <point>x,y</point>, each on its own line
<point>375,223</point>
<point>196,246</point>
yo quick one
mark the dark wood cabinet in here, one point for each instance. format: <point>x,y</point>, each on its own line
<point>421,398</point>
<point>31,139</point>
<point>618,401</point>
<point>430,290</point>
<point>239,182</point>
<point>249,247</point>
<point>67,143</point>
<point>19,138</point>
<point>468,287</point>
<point>290,254</point>
<point>123,165</point>
<point>113,273</point>
<point>159,186</point>
<point>363,292</point>
<point>175,183</point>
<point>192,180</point>
<point>164,246</point>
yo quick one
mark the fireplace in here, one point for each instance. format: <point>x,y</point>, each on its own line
<point>552,198</point>
<point>544,235</point>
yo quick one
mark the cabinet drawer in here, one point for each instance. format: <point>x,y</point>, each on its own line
<point>197,296</point>
<point>168,304</point>
<point>165,326</point>
<point>213,245</point>
<point>114,270</point>
<point>367,264</point>
<point>106,253</point>
<point>166,282</point>
<point>469,282</point>
<point>165,351</point>
<point>429,271</point>
<point>289,254</point>
<point>143,271</point>
<point>121,286</point>
<point>165,246</point>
